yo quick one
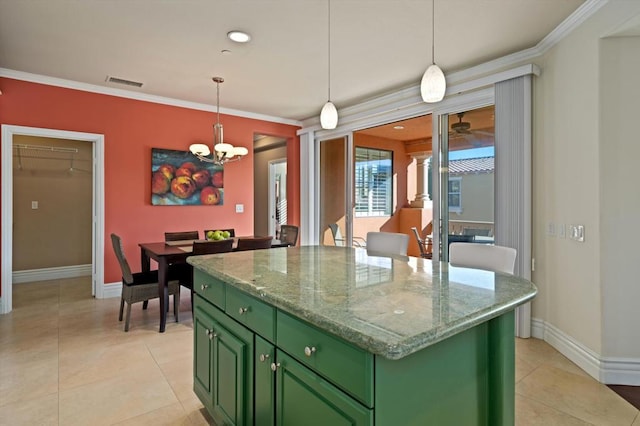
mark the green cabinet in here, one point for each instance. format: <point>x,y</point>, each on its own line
<point>224,349</point>
<point>305,398</point>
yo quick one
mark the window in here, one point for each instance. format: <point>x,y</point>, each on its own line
<point>373,178</point>
<point>455,194</point>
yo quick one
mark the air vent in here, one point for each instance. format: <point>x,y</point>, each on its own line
<point>123,81</point>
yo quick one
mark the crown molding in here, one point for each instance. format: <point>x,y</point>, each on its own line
<point>85,87</point>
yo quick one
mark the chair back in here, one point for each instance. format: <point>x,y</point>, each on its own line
<point>337,235</point>
<point>289,234</point>
<point>483,256</point>
<point>231,231</point>
<point>254,243</point>
<point>211,247</point>
<point>387,243</point>
<point>422,244</point>
<point>179,236</point>
<point>122,260</point>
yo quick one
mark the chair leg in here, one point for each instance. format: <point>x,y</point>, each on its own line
<point>121,308</point>
<point>176,304</point>
<point>126,322</point>
<point>145,304</point>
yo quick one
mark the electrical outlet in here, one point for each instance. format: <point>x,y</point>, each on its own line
<point>239,208</point>
<point>34,205</point>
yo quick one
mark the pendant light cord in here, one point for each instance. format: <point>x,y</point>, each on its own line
<point>329,48</point>
<point>433,31</point>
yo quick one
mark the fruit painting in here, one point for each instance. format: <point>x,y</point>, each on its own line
<point>178,178</point>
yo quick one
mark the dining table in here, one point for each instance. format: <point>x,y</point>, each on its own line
<point>166,253</point>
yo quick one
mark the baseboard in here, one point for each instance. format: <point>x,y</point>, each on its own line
<point>111,290</point>
<point>44,274</point>
<point>618,371</point>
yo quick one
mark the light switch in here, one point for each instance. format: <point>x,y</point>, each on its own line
<point>34,205</point>
<point>239,208</point>
<point>561,230</point>
<point>576,232</point>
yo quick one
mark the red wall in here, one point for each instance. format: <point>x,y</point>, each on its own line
<point>131,128</point>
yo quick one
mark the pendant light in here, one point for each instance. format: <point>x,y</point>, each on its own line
<point>433,84</point>
<point>222,152</point>
<point>329,113</point>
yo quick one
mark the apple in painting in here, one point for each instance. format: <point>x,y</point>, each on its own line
<point>209,196</point>
<point>217,179</point>
<point>186,169</point>
<point>183,187</point>
<point>168,170</point>
<point>159,183</point>
<point>201,178</point>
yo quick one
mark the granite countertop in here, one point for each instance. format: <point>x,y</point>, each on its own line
<point>390,307</point>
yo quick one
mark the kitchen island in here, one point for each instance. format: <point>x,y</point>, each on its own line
<point>330,335</point>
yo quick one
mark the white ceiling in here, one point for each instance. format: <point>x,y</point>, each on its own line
<point>174,46</point>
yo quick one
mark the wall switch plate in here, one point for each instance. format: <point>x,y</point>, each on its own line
<point>239,208</point>
<point>551,229</point>
<point>576,232</point>
<point>34,205</point>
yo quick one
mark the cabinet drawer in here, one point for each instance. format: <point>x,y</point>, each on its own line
<point>347,366</point>
<point>253,313</point>
<point>210,288</point>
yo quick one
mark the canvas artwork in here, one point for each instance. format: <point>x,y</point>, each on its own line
<point>178,178</point>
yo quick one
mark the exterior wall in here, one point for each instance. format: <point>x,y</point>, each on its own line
<point>131,129</point>
<point>57,233</point>
<point>477,198</point>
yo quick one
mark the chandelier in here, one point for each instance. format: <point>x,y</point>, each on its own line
<point>222,152</point>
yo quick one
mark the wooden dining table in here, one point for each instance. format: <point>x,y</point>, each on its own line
<point>167,253</point>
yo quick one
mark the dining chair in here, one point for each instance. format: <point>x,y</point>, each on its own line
<point>338,240</point>
<point>254,243</point>
<point>231,231</point>
<point>179,236</point>
<point>387,243</point>
<point>289,234</point>
<point>140,286</point>
<point>483,256</point>
<point>184,271</point>
<point>425,245</point>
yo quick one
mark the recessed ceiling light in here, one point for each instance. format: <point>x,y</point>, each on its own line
<point>398,127</point>
<point>238,36</point>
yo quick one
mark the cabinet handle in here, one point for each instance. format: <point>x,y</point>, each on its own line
<point>308,351</point>
<point>203,287</point>
<point>243,310</point>
<point>264,357</point>
<point>208,333</point>
<point>274,366</point>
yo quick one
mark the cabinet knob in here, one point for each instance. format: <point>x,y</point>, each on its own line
<point>203,287</point>
<point>308,351</point>
<point>243,310</point>
<point>264,357</point>
<point>274,366</point>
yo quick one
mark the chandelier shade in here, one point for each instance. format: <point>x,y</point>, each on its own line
<point>433,85</point>
<point>329,116</point>
<point>222,152</point>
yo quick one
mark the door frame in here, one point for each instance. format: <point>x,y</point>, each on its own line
<point>272,180</point>
<point>6,240</point>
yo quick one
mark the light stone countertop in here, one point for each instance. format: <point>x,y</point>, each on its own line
<point>390,307</point>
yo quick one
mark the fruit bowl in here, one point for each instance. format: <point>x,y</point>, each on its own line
<point>217,235</point>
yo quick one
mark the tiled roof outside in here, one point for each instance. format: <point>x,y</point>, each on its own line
<point>471,165</point>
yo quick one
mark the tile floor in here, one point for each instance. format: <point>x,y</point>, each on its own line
<point>65,360</point>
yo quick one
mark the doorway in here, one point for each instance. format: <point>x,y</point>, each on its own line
<point>277,196</point>
<point>11,135</point>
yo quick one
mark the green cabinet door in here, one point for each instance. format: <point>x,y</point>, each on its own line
<point>232,358</point>
<point>265,380</point>
<point>202,353</point>
<point>304,398</point>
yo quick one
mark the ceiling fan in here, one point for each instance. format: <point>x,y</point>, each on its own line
<point>462,130</point>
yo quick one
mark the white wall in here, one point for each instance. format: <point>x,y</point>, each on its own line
<point>583,291</point>
<point>620,196</point>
